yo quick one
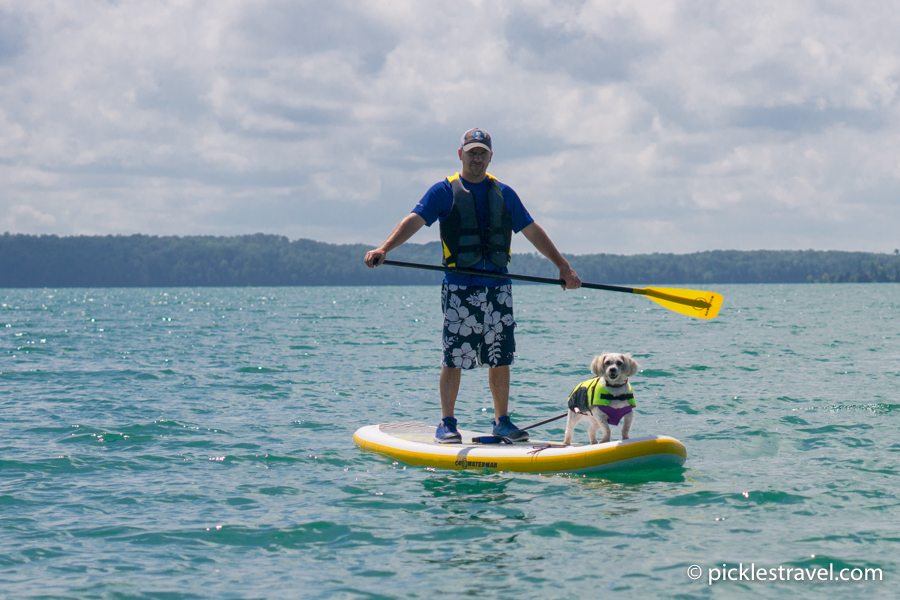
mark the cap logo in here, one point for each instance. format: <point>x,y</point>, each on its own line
<point>475,137</point>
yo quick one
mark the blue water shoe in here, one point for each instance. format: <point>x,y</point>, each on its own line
<point>446,432</point>
<point>505,428</point>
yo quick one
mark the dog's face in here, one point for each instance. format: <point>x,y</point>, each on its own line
<point>614,367</point>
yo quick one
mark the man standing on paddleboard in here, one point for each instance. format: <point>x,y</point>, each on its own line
<point>478,216</point>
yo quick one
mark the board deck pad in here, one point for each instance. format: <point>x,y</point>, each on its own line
<point>413,443</point>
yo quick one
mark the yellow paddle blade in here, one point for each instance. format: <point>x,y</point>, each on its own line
<point>693,303</point>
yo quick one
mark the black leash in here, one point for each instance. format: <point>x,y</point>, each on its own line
<point>497,439</point>
<point>565,414</point>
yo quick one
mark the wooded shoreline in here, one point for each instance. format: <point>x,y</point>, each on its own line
<point>28,261</point>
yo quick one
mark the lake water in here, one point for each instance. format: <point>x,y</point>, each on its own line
<point>197,443</point>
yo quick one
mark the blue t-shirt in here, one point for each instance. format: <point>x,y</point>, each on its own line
<point>436,204</point>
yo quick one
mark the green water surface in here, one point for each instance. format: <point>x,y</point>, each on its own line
<point>197,443</point>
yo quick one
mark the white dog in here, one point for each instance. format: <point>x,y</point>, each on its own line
<point>605,399</point>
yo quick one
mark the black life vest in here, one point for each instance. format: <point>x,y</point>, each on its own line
<point>465,242</point>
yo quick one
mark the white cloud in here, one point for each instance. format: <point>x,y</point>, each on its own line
<point>680,126</point>
<point>19,216</point>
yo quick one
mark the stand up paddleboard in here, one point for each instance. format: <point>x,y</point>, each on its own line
<point>413,443</point>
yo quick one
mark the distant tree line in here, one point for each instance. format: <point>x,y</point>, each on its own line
<point>271,260</point>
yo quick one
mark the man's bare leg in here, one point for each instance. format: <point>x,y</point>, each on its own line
<point>498,378</point>
<point>449,389</point>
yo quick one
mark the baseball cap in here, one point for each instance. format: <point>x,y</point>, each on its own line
<point>475,138</point>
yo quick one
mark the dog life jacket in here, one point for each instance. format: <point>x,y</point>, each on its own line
<point>592,393</point>
<point>465,241</point>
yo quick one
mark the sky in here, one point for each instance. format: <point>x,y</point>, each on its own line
<point>625,127</point>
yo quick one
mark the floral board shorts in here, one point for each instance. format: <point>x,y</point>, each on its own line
<point>478,326</point>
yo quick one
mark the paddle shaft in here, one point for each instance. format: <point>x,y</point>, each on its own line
<point>459,271</point>
<point>673,299</point>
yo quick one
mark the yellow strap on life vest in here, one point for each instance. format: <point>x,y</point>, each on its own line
<point>447,253</point>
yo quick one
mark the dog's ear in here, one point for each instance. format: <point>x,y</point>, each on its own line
<point>631,365</point>
<point>597,365</point>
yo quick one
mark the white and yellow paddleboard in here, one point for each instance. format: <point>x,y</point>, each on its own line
<point>413,443</point>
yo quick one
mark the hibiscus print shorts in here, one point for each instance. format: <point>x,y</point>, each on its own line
<point>478,326</point>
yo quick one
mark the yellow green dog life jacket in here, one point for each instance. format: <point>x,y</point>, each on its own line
<point>465,242</point>
<point>591,393</point>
